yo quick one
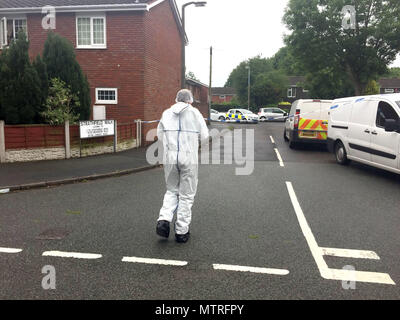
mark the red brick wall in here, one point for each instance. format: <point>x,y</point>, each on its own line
<point>119,66</point>
<point>162,76</point>
<point>217,99</point>
<point>142,59</point>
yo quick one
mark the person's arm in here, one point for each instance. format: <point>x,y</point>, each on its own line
<point>160,131</point>
<point>204,133</point>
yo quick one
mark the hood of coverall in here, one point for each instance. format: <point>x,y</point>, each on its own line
<point>179,107</point>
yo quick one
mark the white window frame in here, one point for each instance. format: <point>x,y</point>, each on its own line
<point>290,95</point>
<point>106,101</point>
<point>4,22</point>
<point>91,17</point>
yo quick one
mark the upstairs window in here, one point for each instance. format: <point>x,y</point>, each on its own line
<point>10,28</point>
<point>91,32</point>
<point>291,92</point>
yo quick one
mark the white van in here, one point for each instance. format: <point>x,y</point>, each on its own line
<point>366,129</point>
<point>307,122</point>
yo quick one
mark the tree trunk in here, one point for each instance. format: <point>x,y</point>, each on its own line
<point>358,87</point>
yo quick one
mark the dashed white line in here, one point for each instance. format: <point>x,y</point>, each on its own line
<point>272,139</point>
<point>279,157</point>
<point>348,253</point>
<point>10,250</point>
<point>155,261</point>
<point>75,255</point>
<point>226,267</point>
<point>2,191</point>
<point>318,253</point>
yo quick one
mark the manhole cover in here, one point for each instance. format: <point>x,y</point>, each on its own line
<point>53,234</point>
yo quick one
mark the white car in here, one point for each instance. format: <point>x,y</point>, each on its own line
<point>240,115</point>
<point>366,129</point>
<point>272,114</point>
<point>217,116</point>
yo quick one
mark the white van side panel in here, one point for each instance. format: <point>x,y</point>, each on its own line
<point>360,127</point>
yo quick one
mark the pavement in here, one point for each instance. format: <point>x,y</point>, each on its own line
<point>283,225</point>
<point>24,175</point>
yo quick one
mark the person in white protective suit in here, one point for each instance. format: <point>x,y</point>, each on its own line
<point>180,129</point>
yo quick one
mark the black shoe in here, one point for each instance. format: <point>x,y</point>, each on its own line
<point>163,228</point>
<point>182,238</point>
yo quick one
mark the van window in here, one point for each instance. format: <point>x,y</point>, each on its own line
<point>385,112</point>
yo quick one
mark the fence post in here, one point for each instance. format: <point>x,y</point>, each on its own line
<point>115,136</point>
<point>67,141</point>
<point>2,143</point>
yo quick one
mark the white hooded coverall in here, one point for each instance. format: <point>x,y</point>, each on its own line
<point>180,128</point>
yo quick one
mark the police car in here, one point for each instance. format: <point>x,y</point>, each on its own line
<point>241,115</point>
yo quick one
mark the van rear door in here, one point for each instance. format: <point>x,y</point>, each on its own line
<point>313,120</point>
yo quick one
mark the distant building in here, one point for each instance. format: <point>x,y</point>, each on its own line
<point>295,90</point>
<point>223,95</point>
<point>389,85</point>
<point>200,95</point>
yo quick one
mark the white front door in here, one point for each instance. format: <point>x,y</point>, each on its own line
<point>99,113</point>
<point>385,145</point>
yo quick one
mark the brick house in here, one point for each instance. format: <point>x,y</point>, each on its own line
<point>389,85</point>
<point>130,50</point>
<point>223,95</point>
<point>200,95</point>
<point>295,89</point>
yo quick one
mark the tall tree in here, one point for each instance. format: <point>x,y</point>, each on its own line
<point>20,90</point>
<point>59,57</point>
<point>319,39</point>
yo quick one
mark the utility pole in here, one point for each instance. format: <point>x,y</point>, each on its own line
<point>248,94</point>
<point>210,87</point>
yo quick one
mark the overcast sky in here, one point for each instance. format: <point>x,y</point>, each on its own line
<point>237,30</point>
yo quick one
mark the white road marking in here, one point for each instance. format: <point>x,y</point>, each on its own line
<point>4,190</point>
<point>75,255</point>
<point>155,261</point>
<point>272,139</point>
<point>348,253</point>
<point>317,252</point>
<point>10,250</point>
<point>360,276</point>
<point>226,267</point>
<point>279,157</point>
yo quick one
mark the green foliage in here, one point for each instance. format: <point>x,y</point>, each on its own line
<point>59,57</point>
<point>392,73</point>
<point>320,42</point>
<point>191,75</point>
<point>60,104</point>
<point>41,70</point>
<point>372,88</point>
<point>267,85</point>
<point>20,91</point>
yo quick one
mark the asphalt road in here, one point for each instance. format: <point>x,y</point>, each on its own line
<point>240,221</point>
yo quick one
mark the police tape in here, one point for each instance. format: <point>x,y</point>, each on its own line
<point>266,118</point>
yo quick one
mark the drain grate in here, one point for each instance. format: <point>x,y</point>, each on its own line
<point>53,234</point>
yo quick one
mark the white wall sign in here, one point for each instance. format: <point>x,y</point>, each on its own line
<point>93,129</point>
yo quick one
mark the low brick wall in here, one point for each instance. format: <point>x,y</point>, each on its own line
<point>58,153</point>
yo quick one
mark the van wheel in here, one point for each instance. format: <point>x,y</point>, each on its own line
<point>341,154</point>
<point>285,136</point>
<point>292,145</point>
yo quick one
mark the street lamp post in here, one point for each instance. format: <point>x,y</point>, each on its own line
<point>248,85</point>
<point>183,71</point>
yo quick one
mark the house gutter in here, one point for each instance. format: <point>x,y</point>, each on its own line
<point>85,8</point>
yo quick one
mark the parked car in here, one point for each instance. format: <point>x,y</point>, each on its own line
<point>272,114</point>
<point>307,122</point>
<point>366,129</point>
<point>241,115</point>
<point>217,116</point>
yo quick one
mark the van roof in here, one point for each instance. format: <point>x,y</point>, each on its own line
<point>315,100</point>
<point>393,97</point>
